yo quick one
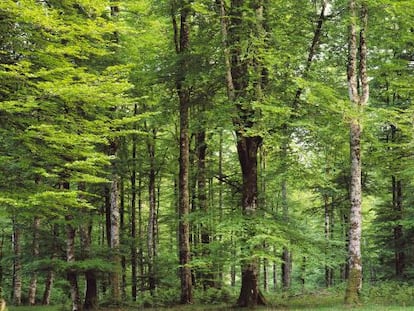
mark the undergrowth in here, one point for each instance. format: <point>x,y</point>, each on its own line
<point>390,296</point>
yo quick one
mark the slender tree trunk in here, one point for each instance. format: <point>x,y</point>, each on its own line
<point>50,277</point>
<point>182,40</point>
<point>201,146</point>
<point>275,283</point>
<point>327,229</point>
<point>108,214</point>
<point>359,92</point>
<point>1,262</point>
<point>122,238</point>
<point>286,255</point>
<point>140,236</point>
<point>133,219</point>
<point>115,234</point>
<point>35,253</point>
<point>17,265</point>
<point>152,219</point>
<point>399,244</point>
<point>91,292</point>
<point>70,258</point>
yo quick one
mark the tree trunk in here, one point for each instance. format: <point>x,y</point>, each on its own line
<point>327,231</point>
<point>152,219</point>
<point>247,148</point>
<point>17,265</point>
<point>399,244</point>
<point>133,219</point>
<point>140,236</point>
<point>1,262</point>
<point>122,238</point>
<point>35,253</point>
<point>51,273</point>
<point>182,40</point>
<point>70,258</point>
<point>359,92</point>
<point>286,255</point>
<point>237,82</point>
<point>355,264</point>
<point>50,277</point>
<point>91,292</point>
<point>116,258</point>
<point>201,146</point>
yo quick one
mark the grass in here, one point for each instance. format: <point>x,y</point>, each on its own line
<point>337,307</point>
<point>320,301</point>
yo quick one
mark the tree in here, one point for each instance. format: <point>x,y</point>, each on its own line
<point>182,41</point>
<point>359,94</point>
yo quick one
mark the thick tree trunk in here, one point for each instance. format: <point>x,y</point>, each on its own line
<point>17,265</point>
<point>35,253</point>
<point>182,40</point>
<point>355,263</point>
<point>359,93</point>
<point>247,148</point>
<point>152,219</point>
<point>237,77</point>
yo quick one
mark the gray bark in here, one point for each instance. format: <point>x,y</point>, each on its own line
<point>35,253</point>
<point>115,223</point>
<point>17,265</point>
<point>359,93</point>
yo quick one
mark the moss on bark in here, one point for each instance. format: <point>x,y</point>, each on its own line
<point>352,294</point>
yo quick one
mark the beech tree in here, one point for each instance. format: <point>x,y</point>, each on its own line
<point>359,94</point>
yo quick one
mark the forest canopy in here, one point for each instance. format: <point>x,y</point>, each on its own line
<point>181,151</point>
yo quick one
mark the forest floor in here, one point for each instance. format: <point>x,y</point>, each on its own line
<point>321,301</point>
<point>368,307</point>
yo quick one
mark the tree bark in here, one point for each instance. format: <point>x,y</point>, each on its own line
<point>17,265</point>
<point>70,258</point>
<point>91,292</point>
<point>35,253</point>
<point>133,220</point>
<point>51,273</point>
<point>116,258</point>
<point>152,219</point>
<point>1,262</point>
<point>247,148</point>
<point>359,93</point>
<point>399,244</point>
<point>237,81</point>
<point>182,40</point>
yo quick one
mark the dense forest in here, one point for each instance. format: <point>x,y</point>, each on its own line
<point>175,151</point>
